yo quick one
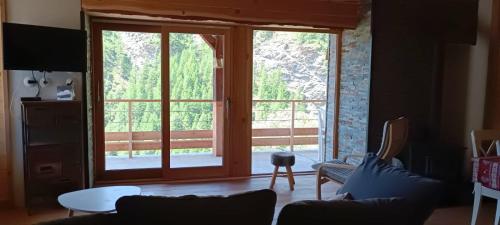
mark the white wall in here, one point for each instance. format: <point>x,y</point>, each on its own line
<point>55,13</point>
<point>464,90</point>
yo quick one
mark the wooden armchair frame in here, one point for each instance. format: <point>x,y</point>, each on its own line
<point>395,135</point>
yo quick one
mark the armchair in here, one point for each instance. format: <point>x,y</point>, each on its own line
<point>394,138</point>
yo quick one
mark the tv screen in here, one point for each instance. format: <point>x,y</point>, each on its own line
<point>28,47</point>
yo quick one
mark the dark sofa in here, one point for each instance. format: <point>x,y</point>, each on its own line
<point>387,211</point>
<point>381,195</point>
<point>251,208</point>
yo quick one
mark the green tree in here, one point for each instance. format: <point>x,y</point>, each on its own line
<point>132,70</point>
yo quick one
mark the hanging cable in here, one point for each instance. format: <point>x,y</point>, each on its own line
<point>37,84</point>
<point>14,94</point>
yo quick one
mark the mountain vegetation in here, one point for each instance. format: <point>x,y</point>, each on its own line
<point>287,66</point>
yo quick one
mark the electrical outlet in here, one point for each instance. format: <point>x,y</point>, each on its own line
<point>29,82</point>
<point>43,82</point>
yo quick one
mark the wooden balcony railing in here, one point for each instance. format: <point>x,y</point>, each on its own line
<point>151,140</point>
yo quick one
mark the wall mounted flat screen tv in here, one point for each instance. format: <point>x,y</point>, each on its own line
<point>28,47</point>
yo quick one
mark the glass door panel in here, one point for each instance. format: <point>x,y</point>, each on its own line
<point>290,71</point>
<point>196,99</point>
<point>132,100</point>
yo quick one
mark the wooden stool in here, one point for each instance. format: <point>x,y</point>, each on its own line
<point>283,159</point>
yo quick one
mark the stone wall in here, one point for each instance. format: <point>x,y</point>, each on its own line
<point>354,92</point>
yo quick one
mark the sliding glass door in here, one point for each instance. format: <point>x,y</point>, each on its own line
<point>289,95</point>
<point>197,93</point>
<point>159,101</point>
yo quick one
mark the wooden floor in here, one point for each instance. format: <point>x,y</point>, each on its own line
<point>304,190</point>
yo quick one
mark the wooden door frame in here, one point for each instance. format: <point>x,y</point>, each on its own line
<point>238,51</point>
<point>338,76</point>
<point>164,173</point>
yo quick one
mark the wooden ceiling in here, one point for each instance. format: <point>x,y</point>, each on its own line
<point>313,13</point>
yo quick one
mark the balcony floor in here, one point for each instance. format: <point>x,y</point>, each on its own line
<point>260,161</point>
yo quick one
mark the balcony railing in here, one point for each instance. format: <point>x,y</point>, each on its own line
<point>292,135</point>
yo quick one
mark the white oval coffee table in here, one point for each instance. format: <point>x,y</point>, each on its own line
<point>96,200</point>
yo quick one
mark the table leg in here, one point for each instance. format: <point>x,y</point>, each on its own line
<point>70,213</point>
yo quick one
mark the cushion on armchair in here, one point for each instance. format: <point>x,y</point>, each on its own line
<point>374,178</point>
<point>251,208</point>
<point>388,211</point>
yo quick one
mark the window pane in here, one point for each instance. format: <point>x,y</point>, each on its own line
<point>193,107</point>
<point>290,71</point>
<point>132,99</point>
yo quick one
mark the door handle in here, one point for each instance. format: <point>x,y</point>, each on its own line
<point>98,92</point>
<point>228,107</point>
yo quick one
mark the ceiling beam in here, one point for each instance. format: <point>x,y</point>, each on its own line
<point>313,13</point>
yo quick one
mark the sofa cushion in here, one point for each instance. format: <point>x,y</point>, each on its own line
<point>388,211</point>
<point>343,196</point>
<point>251,208</point>
<point>374,178</point>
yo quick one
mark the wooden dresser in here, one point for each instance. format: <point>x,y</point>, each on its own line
<point>52,150</point>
